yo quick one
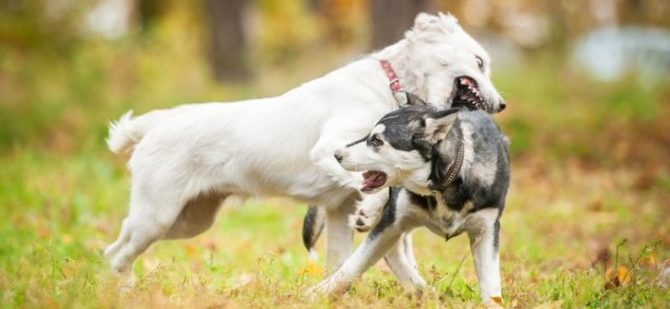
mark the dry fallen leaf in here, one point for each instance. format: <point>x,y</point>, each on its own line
<point>191,249</point>
<point>648,261</point>
<point>617,278</point>
<point>312,269</point>
<point>497,299</point>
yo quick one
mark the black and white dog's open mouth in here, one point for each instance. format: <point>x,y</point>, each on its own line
<point>373,180</point>
<point>466,92</point>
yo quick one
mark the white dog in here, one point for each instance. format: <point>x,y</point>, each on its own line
<point>186,160</point>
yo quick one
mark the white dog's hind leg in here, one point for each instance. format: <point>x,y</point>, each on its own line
<point>124,235</point>
<point>404,269</point>
<point>369,211</point>
<point>339,235</point>
<point>148,220</point>
<point>483,235</point>
<point>143,230</point>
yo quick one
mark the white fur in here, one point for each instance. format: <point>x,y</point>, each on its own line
<point>186,160</point>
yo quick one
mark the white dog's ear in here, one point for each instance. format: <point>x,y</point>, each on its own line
<point>435,23</point>
<point>413,99</point>
<point>449,22</point>
<point>439,124</point>
<point>426,22</point>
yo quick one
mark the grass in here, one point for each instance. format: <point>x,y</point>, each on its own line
<point>589,194</point>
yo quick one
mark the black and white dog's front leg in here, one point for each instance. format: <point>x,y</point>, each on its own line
<point>483,229</point>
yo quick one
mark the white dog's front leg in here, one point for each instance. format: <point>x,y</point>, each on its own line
<point>402,267</point>
<point>369,252</point>
<point>483,234</point>
<point>369,211</point>
<point>323,155</point>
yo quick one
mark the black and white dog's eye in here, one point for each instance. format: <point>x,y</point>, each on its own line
<point>375,141</point>
<point>480,63</point>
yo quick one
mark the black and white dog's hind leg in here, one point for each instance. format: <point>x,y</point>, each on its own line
<point>400,259</point>
<point>483,229</point>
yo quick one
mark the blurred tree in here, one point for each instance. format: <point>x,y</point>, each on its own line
<point>391,18</point>
<point>228,43</point>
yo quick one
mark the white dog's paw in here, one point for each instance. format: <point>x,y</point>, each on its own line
<point>362,221</point>
<point>353,181</point>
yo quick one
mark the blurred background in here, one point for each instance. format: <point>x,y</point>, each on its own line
<point>586,81</point>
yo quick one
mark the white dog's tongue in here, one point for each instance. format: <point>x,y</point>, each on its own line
<point>373,180</point>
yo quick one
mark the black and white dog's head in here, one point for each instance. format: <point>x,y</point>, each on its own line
<point>412,146</point>
<point>400,148</point>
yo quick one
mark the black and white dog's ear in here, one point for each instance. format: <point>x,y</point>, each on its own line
<point>438,125</point>
<point>413,99</point>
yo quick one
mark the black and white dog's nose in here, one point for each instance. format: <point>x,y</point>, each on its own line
<point>338,156</point>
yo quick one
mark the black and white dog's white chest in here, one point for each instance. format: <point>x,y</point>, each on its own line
<point>440,217</point>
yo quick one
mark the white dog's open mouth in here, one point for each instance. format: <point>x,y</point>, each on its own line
<point>373,180</point>
<point>466,91</point>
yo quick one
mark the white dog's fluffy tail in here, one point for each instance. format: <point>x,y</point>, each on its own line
<point>128,130</point>
<point>121,134</point>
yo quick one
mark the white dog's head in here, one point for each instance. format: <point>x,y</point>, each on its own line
<point>445,65</point>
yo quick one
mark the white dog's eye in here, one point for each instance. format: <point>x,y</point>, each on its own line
<point>375,141</point>
<point>480,63</point>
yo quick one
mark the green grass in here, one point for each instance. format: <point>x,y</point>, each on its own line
<point>589,170</point>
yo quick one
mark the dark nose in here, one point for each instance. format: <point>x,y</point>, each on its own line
<point>338,156</point>
<point>502,106</point>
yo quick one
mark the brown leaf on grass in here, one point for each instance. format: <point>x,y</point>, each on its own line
<point>191,249</point>
<point>497,299</point>
<point>648,262</point>
<point>645,180</point>
<point>312,269</point>
<point>596,205</point>
<point>618,277</point>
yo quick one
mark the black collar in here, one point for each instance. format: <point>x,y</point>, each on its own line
<point>453,171</point>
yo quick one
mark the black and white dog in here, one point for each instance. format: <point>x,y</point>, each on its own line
<point>453,166</point>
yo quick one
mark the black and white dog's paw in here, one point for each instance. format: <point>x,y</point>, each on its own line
<point>327,287</point>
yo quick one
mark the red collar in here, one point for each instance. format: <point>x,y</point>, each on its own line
<point>394,82</point>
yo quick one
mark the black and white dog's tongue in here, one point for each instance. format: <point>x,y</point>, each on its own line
<point>373,180</point>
